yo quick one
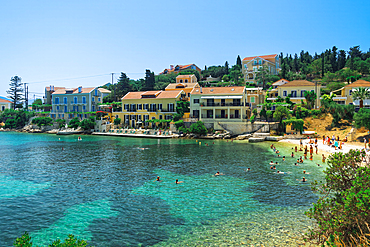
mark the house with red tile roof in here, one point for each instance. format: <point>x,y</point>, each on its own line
<point>178,68</point>
<point>344,94</point>
<point>250,66</point>
<point>5,104</point>
<point>138,107</point>
<point>80,102</point>
<point>217,105</point>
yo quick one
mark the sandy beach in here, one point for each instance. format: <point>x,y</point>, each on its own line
<point>325,149</point>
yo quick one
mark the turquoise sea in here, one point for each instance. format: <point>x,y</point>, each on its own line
<point>103,190</point>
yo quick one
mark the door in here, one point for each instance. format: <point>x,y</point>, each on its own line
<point>222,113</point>
<point>222,102</point>
<point>209,113</point>
<point>237,114</point>
<point>210,102</point>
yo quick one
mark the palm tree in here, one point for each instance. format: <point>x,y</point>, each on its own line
<point>361,94</point>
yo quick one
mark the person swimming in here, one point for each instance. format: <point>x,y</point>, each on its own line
<point>278,155</point>
<point>271,163</point>
<point>158,179</point>
<point>283,158</point>
<point>276,163</point>
<point>280,172</point>
<point>295,149</point>
<point>274,168</point>
<point>271,167</point>
<point>218,173</point>
<point>292,155</point>
<point>304,172</point>
<point>303,179</point>
<point>249,169</point>
<point>295,164</point>
<point>178,182</point>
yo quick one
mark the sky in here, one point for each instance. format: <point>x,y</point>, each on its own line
<point>80,43</point>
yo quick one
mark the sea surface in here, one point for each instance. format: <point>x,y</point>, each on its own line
<point>104,190</point>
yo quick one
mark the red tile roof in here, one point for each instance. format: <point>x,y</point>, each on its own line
<point>55,88</point>
<point>5,101</point>
<point>219,90</point>
<point>156,94</point>
<point>263,57</point>
<point>298,83</point>
<point>358,83</point>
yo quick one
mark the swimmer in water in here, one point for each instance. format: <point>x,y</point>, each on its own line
<point>248,170</point>
<point>292,155</point>
<point>218,173</point>
<point>158,179</point>
<point>276,163</point>
<point>283,158</point>
<point>271,167</point>
<point>179,182</point>
<point>62,148</point>
<point>278,155</point>
<point>280,172</point>
<point>303,179</point>
<point>318,164</point>
<point>274,168</point>
<point>271,163</point>
<point>304,172</point>
<point>295,164</point>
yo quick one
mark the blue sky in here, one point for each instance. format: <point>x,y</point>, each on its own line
<point>45,42</point>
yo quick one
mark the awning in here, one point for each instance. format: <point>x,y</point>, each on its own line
<point>221,97</point>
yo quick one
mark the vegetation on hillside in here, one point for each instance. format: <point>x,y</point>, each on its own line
<point>26,241</point>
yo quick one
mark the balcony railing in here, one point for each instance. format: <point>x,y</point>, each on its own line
<point>78,102</point>
<point>221,104</point>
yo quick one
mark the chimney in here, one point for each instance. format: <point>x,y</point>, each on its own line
<point>201,90</point>
<point>171,67</point>
<point>79,89</point>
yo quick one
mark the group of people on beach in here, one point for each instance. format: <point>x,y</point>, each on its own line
<point>302,148</point>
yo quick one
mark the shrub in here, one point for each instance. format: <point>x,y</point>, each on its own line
<point>177,116</point>
<point>26,241</point>
<point>253,118</point>
<point>343,210</point>
<point>117,121</point>
<point>60,122</point>
<point>179,124</point>
<point>315,112</point>
<point>74,123</point>
<point>87,124</point>
<point>184,129</point>
<point>41,121</point>
<point>198,128</point>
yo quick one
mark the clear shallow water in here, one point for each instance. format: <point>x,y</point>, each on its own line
<point>103,189</point>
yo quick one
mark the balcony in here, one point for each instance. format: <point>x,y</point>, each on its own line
<point>77,102</point>
<point>220,104</point>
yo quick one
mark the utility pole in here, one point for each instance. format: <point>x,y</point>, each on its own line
<point>114,90</point>
<point>26,96</point>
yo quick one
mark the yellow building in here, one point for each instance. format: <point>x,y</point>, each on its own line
<point>295,90</point>
<point>254,97</point>
<point>137,107</point>
<point>250,66</point>
<point>187,87</point>
<point>186,79</point>
<point>5,104</point>
<point>344,95</point>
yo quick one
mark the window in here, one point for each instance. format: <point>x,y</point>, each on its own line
<point>160,107</point>
<point>84,100</point>
<point>93,108</point>
<point>188,94</point>
<point>126,107</point>
<point>196,101</point>
<point>294,94</point>
<point>84,107</point>
<point>255,68</point>
<point>255,62</point>
<point>57,100</point>
<point>65,109</point>
<point>65,100</point>
<point>350,92</point>
<point>3,108</point>
<point>302,93</point>
<point>139,117</point>
<point>93,99</point>
<point>160,116</point>
<point>146,106</point>
<point>253,100</point>
<point>284,93</point>
<point>99,99</point>
<point>186,80</point>
<point>180,80</point>
<point>196,113</point>
<point>57,108</point>
<point>170,107</point>
<point>75,100</point>
<point>139,106</point>
<point>85,115</point>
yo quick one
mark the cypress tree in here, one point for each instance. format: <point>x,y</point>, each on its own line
<point>239,61</point>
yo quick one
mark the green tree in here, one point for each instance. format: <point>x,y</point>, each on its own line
<point>198,128</point>
<point>122,87</point>
<point>343,210</point>
<point>362,118</point>
<point>61,122</point>
<point>361,94</point>
<point>15,91</point>
<point>280,113</point>
<point>310,97</point>
<point>149,80</point>
<point>239,61</point>
<point>226,68</point>
<point>41,121</point>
